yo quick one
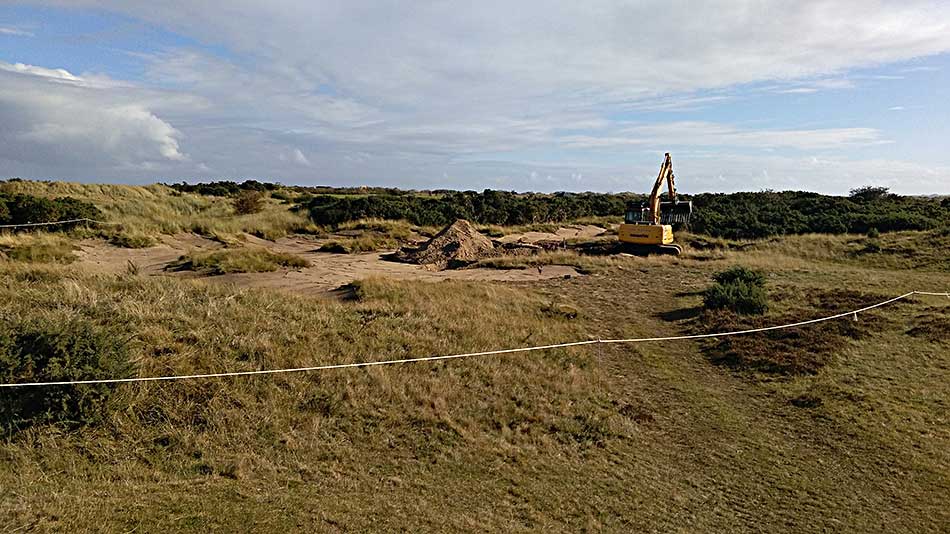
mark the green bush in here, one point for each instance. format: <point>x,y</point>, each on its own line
<point>873,233</point>
<point>738,289</point>
<point>23,209</point>
<point>742,274</point>
<point>249,202</point>
<point>52,351</point>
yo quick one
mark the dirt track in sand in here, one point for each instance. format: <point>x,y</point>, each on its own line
<point>325,273</point>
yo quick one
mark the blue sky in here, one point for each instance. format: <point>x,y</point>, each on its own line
<point>746,95</point>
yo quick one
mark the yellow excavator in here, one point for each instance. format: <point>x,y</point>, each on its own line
<point>647,227</point>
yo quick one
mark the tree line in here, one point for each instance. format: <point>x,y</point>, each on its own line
<point>732,215</point>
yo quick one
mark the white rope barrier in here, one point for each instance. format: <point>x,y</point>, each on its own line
<point>469,354</point>
<point>67,221</point>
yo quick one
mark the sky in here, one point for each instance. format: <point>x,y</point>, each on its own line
<point>529,96</point>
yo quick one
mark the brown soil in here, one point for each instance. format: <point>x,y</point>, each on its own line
<point>582,231</point>
<point>457,245</point>
<point>325,273</point>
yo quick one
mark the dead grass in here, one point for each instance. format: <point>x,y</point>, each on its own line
<point>932,325</point>
<point>648,437</point>
<point>363,243</point>
<point>237,260</point>
<point>38,247</point>
<point>157,209</point>
<point>793,351</point>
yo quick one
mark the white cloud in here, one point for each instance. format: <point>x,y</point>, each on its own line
<point>54,116</point>
<point>896,108</point>
<point>300,159</point>
<point>798,91</point>
<point>59,75</point>
<point>699,134</point>
<point>394,91</point>
<point>448,52</point>
<point>6,30</point>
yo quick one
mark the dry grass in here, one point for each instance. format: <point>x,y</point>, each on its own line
<point>647,437</point>
<point>157,209</point>
<point>237,260</point>
<point>38,247</point>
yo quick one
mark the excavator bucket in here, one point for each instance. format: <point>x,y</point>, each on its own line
<point>675,212</point>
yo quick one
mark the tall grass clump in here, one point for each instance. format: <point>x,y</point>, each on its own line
<point>238,260</point>
<point>159,209</point>
<point>37,248</point>
<point>47,350</point>
<point>738,289</point>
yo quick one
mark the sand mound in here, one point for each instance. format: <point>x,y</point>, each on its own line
<point>457,245</point>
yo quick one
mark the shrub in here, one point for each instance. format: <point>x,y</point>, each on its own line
<point>738,297</point>
<point>249,202</point>
<point>51,351</point>
<point>873,233</point>
<point>23,209</point>
<point>738,289</point>
<point>740,274</point>
<point>281,195</point>
<point>869,192</point>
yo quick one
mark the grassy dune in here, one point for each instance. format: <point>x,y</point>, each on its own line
<point>157,209</point>
<point>837,428</point>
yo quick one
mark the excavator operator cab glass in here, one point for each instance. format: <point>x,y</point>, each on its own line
<point>635,214</point>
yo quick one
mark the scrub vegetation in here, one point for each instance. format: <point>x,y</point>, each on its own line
<point>740,434</point>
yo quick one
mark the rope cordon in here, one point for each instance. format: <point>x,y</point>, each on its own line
<point>471,354</point>
<point>67,221</point>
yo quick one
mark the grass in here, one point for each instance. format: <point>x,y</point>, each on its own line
<point>38,247</point>
<point>645,437</point>
<point>133,240</point>
<point>364,243</point>
<point>415,426</point>
<point>158,209</point>
<point>237,260</point>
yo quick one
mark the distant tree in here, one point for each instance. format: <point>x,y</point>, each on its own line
<point>869,192</point>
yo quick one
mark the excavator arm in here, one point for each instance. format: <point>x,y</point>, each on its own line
<point>666,175</point>
<point>655,212</point>
<point>649,227</point>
